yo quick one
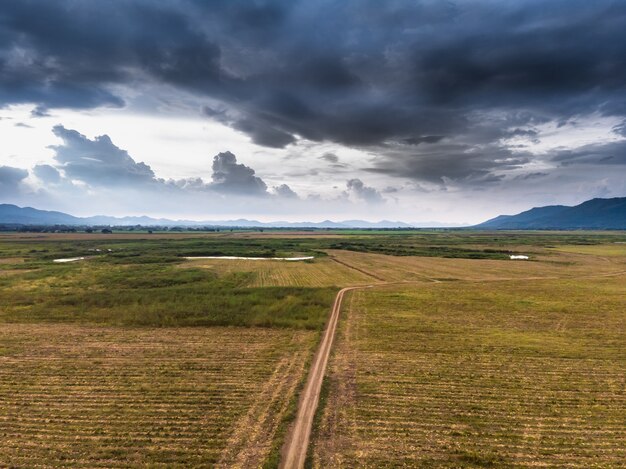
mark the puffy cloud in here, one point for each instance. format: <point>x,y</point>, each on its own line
<point>98,161</point>
<point>234,178</point>
<point>285,191</point>
<point>47,173</point>
<point>11,179</point>
<point>362,192</point>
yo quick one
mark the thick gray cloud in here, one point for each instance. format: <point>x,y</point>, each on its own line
<point>263,134</point>
<point>613,153</point>
<point>364,193</point>
<point>11,179</point>
<point>412,81</point>
<point>450,163</point>
<point>98,161</point>
<point>354,72</point>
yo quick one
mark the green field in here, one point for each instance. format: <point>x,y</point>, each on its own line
<point>457,357</point>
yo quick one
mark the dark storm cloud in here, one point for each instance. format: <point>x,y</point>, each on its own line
<point>425,139</point>
<point>367,73</point>
<point>613,153</point>
<point>263,134</point>
<point>11,179</point>
<point>62,53</point>
<point>452,163</point>
<point>98,161</point>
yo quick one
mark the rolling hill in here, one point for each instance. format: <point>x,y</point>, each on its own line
<point>595,214</point>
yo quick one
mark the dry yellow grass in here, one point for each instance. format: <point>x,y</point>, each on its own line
<point>11,260</point>
<point>611,250</point>
<point>322,272</point>
<point>112,397</point>
<point>411,268</point>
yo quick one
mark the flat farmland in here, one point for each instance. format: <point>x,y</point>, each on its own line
<point>543,264</point>
<point>455,356</point>
<point>323,272</point>
<point>78,396</point>
<point>478,374</point>
<point>608,250</point>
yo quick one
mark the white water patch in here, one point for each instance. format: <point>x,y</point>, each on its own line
<point>233,258</point>
<point>520,258</point>
<point>69,259</point>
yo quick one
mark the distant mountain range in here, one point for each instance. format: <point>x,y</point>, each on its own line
<point>595,214</point>
<point>14,215</point>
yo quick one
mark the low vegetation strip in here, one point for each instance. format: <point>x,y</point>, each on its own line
<point>501,374</point>
<point>154,294</point>
<point>111,397</point>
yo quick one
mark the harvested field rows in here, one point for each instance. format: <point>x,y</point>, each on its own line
<point>318,273</point>
<point>77,396</point>
<point>463,375</point>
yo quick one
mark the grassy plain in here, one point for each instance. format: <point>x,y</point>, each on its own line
<point>517,371</point>
<point>136,357</point>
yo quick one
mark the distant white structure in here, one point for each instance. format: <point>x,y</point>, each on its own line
<point>71,259</point>
<point>519,258</point>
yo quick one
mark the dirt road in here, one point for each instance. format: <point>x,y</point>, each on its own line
<point>295,448</point>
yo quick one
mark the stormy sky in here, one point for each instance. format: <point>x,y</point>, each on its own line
<point>409,110</point>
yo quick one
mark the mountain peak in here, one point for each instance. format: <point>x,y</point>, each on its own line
<point>594,214</point>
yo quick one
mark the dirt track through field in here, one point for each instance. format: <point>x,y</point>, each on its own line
<point>297,442</point>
